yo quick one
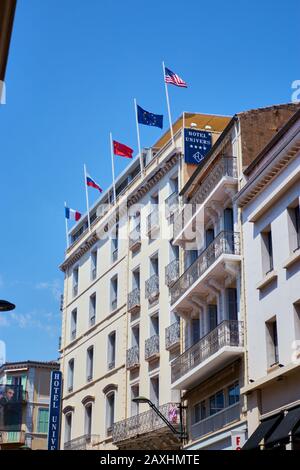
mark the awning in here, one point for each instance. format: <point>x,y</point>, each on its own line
<point>287,425</point>
<point>264,430</point>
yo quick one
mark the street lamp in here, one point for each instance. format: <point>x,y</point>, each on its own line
<point>181,434</point>
<point>6,306</point>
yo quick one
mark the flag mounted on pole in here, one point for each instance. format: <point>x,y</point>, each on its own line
<point>149,119</point>
<point>174,79</point>
<point>122,150</point>
<point>92,183</point>
<point>72,214</point>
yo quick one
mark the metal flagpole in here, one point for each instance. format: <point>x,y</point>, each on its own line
<point>113,166</point>
<point>138,136</point>
<point>168,104</point>
<point>87,198</point>
<point>67,230</point>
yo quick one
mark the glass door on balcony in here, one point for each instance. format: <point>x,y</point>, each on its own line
<point>212,317</point>
<point>136,279</point>
<point>228,228</point>
<point>135,336</point>
<point>135,391</point>
<point>154,390</point>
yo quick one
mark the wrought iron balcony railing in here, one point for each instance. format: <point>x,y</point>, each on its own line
<point>216,421</point>
<point>224,243</point>
<point>86,442</point>
<point>227,333</point>
<point>135,238</point>
<point>171,204</point>
<point>152,348</point>
<point>133,357</point>
<point>226,166</point>
<point>152,287</point>
<point>172,272</point>
<point>153,221</point>
<point>173,336</point>
<point>134,300</point>
<point>146,422</point>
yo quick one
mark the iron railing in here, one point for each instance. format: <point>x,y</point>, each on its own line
<point>226,166</point>
<point>172,272</point>
<point>216,421</point>
<point>224,243</point>
<point>135,237</point>
<point>134,300</point>
<point>172,335</point>
<point>133,357</point>
<point>227,333</point>
<point>146,422</point>
<point>152,347</point>
<point>152,287</point>
<point>171,204</point>
<point>153,221</point>
<point>86,442</point>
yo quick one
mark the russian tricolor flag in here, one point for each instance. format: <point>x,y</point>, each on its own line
<point>72,214</point>
<point>92,183</point>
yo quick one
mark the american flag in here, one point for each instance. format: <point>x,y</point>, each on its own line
<point>171,77</point>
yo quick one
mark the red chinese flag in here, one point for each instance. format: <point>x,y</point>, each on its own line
<point>122,150</point>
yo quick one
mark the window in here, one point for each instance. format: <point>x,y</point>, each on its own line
<point>135,392</point>
<point>267,251</point>
<point>115,243</point>
<point>272,343</point>
<point>75,281</point>
<point>111,350</point>
<point>73,323</point>
<point>136,279</point>
<point>294,227</point>
<point>297,320</point>
<point>195,325</point>
<point>90,363</point>
<point>231,297</point>
<point>154,390</point>
<point>70,375</point>
<point>154,324</point>
<point>212,317</point>
<point>216,402</point>
<point>88,420</point>
<point>110,412</point>
<point>114,293</point>
<point>43,416</point>
<point>92,318</point>
<point>154,265</point>
<point>68,427</point>
<point>233,394</point>
<point>135,336</point>
<point>93,265</point>
<point>199,412</point>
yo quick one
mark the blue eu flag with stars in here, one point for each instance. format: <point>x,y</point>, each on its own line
<point>149,119</point>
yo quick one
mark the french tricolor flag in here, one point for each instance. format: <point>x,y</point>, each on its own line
<point>92,183</point>
<point>72,214</point>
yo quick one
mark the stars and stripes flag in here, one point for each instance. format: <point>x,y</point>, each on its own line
<point>174,79</point>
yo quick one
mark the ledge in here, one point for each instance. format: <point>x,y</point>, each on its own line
<point>292,259</point>
<point>266,380</point>
<point>270,277</point>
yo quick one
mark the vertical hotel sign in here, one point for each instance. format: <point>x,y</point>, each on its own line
<point>54,410</point>
<point>197,144</point>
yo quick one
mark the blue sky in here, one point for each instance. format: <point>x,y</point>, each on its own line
<point>74,69</point>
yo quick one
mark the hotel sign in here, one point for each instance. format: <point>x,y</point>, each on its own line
<point>54,410</point>
<point>196,145</point>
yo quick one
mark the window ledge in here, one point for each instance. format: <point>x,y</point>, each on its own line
<point>270,277</point>
<point>292,259</point>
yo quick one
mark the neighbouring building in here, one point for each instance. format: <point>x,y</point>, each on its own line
<point>269,202</point>
<point>210,294</point>
<point>7,14</point>
<point>118,333</point>
<point>29,383</point>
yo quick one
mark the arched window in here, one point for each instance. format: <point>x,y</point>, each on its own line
<point>110,411</point>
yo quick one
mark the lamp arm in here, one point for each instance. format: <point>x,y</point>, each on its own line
<point>156,410</point>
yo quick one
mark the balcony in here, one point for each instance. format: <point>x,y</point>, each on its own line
<point>153,222</point>
<point>135,238</point>
<point>213,351</point>
<point>147,430</point>
<point>152,288</point>
<point>11,438</point>
<point>172,272</point>
<point>133,358</point>
<point>216,421</point>
<point>214,187</point>
<point>86,442</point>
<point>173,336</point>
<point>134,301</point>
<point>171,204</point>
<point>152,348</point>
<point>211,263</point>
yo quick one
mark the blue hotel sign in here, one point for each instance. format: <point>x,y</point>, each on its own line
<point>196,145</point>
<point>54,410</point>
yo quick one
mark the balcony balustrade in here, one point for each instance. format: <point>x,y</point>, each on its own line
<point>86,442</point>
<point>173,336</point>
<point>152,288</point>
<point>172,272</point>
<point>216,421</point>
<point>135,238</point>
<point>152,348</point>
<point>133,358</point>
<point>12,437</point>
<point>134,300</point>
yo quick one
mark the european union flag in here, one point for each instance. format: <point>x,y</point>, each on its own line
<point>149,119</point>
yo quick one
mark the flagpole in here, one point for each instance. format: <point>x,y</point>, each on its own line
<point>113,166</point>
<point>138,136</point>
<point>168,104</point>
<point>67,230</point>
<point>87,199</point>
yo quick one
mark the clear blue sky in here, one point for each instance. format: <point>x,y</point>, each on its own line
<point>74,68</point>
